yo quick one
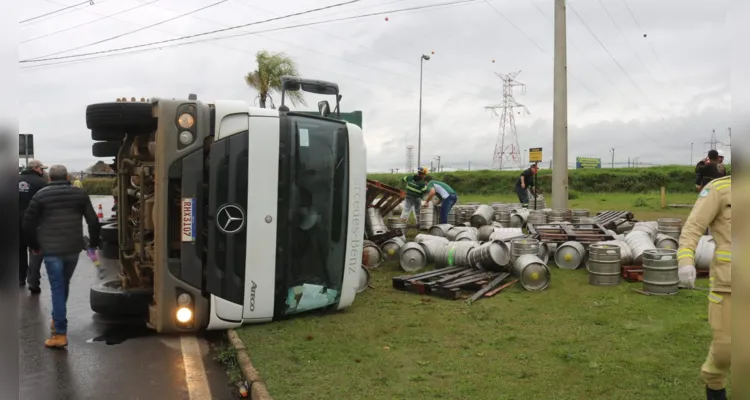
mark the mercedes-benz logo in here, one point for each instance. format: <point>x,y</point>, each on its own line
<point>230,219</point>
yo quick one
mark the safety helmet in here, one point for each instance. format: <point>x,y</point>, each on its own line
<point>422,171</point>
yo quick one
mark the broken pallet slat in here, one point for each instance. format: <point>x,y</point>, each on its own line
<point>488,287</point>
<point>501,288</point>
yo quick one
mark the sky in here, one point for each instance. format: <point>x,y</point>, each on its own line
<point>647,80</point>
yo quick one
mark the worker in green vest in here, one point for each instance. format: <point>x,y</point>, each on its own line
<point>415,190</point>
<point>443,192</point>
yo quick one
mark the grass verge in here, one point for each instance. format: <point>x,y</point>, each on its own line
<point>573,341</point>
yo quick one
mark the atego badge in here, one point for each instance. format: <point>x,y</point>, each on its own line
<point>230,219</point>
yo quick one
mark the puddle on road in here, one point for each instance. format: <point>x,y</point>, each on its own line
<point>116,332</point>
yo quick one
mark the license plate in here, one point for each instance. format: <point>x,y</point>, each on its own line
<point>188,219</point>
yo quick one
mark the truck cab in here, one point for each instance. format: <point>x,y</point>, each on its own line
<point>230,214</point>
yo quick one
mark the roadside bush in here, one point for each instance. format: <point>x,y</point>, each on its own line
<point>677,179</point>
<point>98,186</point>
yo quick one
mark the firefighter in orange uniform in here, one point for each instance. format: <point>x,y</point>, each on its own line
<point>713,210</point>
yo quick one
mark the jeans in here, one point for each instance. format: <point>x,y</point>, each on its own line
<point>445,207</point>
<point>523,196</point>
<point>59,271</point>
<point>411,204</point>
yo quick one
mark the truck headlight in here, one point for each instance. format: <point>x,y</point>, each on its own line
<point>186,138</point>
<point>186,121</point>
<point>184,315</point>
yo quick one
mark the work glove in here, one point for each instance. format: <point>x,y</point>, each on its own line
<point>686,273</point>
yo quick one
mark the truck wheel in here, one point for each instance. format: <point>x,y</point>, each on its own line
<point>107,135</point>
<point>109,298</point>
<point>120,116</point>
<point>110,251</point>
<point>105,149</point>
<point>109,234</point>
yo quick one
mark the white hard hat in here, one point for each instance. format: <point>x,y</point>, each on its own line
<point>721,153</point>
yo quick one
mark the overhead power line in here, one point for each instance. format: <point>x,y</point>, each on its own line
<point>90,2</point>
<point>89,23</point>
<point>396,11</point>
<point>135,30</point>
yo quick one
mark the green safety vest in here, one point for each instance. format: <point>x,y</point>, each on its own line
<point>414,188</point>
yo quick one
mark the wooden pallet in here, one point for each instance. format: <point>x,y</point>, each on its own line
<point>388,197</point>
<point>612,219</point>
<point>561,233</point>
<point>447,283</point>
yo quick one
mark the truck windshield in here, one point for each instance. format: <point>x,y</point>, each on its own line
<point>319,194</point>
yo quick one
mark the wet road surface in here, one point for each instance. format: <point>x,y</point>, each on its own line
<point>136,364</point>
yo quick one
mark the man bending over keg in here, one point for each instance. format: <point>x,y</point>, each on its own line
<point>415,189</point>
<point>445,193</point>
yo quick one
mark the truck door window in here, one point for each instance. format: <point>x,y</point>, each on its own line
<point>321,189</point>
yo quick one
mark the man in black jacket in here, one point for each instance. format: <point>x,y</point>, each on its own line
<point>526,181</point>
<point>53,227</point>
<point>711,169</point>
<point>29,182</point>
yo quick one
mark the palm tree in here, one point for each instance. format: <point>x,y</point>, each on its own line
<point>267,78</point>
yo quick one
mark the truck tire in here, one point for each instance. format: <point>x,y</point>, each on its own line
<point>109,298</point>
<point>107,135</point>
<point>128,117</point>
<point>105,149</point>
<point>110,251</point>
<point>109,234</point>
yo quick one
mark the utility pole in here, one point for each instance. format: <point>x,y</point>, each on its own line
<point>560,112</point>
<point>613,157</point>
<point>437,158</point>
<point>691,153</point>
<point>469,165</point>
<point>422,59</point>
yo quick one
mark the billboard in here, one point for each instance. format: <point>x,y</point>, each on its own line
<point>588,162</point>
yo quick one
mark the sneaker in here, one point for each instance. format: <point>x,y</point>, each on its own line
<point>56,341</point>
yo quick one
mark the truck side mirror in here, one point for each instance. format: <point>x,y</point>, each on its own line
<point>324,108</point>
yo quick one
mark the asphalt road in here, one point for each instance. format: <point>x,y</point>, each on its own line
<point>109,359</point>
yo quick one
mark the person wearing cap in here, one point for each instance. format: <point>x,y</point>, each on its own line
<point>52,224</point>
<point>524,183</point>
<point>711,169</point>
<point>30,181</point>
<point>443,192</point>
<point>415,189</point>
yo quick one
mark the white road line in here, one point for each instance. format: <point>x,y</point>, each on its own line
<point>195,372</point>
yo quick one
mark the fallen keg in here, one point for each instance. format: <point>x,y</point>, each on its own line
<point>363,279</point>
<point>432,248</point>
<point>588,222</point>
<point>396,223</point>
<point>544,252</point>
<point>484,232</point>
<point>521,246</point>
<point>518,218</point>
<point>570,255</point>
<point>604,264</point>
<point>491,256</point>
<point>704,252</point>
<point>626,256</point>
<point>649,227</point>
<point>424,237</point>
<point>531,272</point>
<point>372,256</point>
<point>664,241</point>
<point>374,222</point>
<point>467,234</point>
<point>670,227</point>
<point>412,257</point>
<point>455,254</point>
<point>577,214</point>
<point>392,246</point>
<point>556,216</point>
<point>507,234</point>
<point>483,215</point>
<point>453,232</point>
<point>660,272</point>
<point>426,217</point>
<point>639,241</point>
<point>440,229</point>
